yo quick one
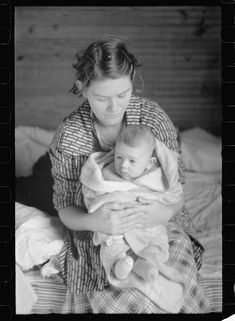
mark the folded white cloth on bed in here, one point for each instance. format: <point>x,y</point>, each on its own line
<point>38,238</point>
<point>150,244</point>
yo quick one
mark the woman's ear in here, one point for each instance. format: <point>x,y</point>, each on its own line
<point>133,75</point>
<point>79,85</point>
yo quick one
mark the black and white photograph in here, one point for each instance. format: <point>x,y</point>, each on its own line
<point>118,167</point>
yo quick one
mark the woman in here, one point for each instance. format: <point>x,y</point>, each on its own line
<point>104,76</point>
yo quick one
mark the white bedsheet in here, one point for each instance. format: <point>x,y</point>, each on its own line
<point>204,203</point>
<point>202,157</point>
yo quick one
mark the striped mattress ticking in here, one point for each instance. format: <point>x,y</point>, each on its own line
<point>52,293</point>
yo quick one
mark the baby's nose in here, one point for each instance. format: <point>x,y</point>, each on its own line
<point>124,164</point>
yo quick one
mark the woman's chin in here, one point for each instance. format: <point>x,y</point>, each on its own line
<point>111,120</point>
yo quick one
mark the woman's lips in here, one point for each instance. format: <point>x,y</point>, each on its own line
<point>113,115</point>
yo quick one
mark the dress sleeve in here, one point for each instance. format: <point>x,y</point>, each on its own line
<point>65,171</point>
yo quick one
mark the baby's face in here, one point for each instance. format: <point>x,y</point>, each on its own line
<point>131,162</point>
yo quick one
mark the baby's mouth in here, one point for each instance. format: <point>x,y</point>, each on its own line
<point>124,175</point>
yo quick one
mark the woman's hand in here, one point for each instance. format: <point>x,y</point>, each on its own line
<point>156,213</point>
<point>115,218</point>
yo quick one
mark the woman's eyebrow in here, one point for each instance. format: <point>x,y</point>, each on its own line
<point>123,92</point>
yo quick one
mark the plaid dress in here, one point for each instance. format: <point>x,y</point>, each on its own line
<point>88,288</point>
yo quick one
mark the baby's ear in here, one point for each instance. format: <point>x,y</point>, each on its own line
<point>151,162</point>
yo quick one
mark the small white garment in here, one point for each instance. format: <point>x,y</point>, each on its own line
<point>38,238</point>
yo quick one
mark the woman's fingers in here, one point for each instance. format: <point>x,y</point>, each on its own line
<point>127,208</point>
<point>116,218</point>
<point>114,206</point>
<point>129,221</point>
<point>130,205</point>
<point>131,213</point>
<point>144,201</point>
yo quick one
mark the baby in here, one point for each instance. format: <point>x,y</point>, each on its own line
<point>140,166</point>
<point>134,156</point>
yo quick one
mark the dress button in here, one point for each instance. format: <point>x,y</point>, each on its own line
<point>109,242</point>
<point>122,255</point>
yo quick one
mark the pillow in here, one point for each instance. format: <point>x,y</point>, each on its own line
<point>201,151</point>
<point>30,144</point>
<point>37,189</point>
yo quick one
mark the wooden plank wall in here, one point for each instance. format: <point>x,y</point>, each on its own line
<point>179,48</point>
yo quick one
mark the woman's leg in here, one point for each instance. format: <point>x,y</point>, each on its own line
<point>113,300</point>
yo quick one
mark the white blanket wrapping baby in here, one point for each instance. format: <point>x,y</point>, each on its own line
<point>101,185</point>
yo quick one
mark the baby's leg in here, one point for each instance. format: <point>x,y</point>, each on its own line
<point>122,267</point>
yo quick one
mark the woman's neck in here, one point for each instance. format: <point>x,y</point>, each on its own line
<point>108,134</point>
<point>109,127</point>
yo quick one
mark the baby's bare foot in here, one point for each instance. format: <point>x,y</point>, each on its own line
<point>122,267</point>
<point>145,270</point>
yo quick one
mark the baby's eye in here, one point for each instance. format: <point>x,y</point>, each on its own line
<point>132,161</point>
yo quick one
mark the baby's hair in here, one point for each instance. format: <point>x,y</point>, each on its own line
<point>134,135</point>
<point>105,58</point>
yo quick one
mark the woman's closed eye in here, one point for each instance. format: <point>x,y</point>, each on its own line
<point>122,96</point>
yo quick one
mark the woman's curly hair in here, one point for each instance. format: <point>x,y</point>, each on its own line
<point>105,58</point>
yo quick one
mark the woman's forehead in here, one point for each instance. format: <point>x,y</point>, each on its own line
<point>109,87</point>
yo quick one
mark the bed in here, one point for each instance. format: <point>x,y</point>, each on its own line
<point>201,153</point>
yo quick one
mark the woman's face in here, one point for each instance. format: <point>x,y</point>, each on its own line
<point>109,99</point>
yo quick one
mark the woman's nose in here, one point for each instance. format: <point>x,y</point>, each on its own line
<point>113,107</point>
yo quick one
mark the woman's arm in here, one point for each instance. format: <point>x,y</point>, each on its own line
<point>157,213</point>
<point>111,218</point>
<point>75,218</point>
